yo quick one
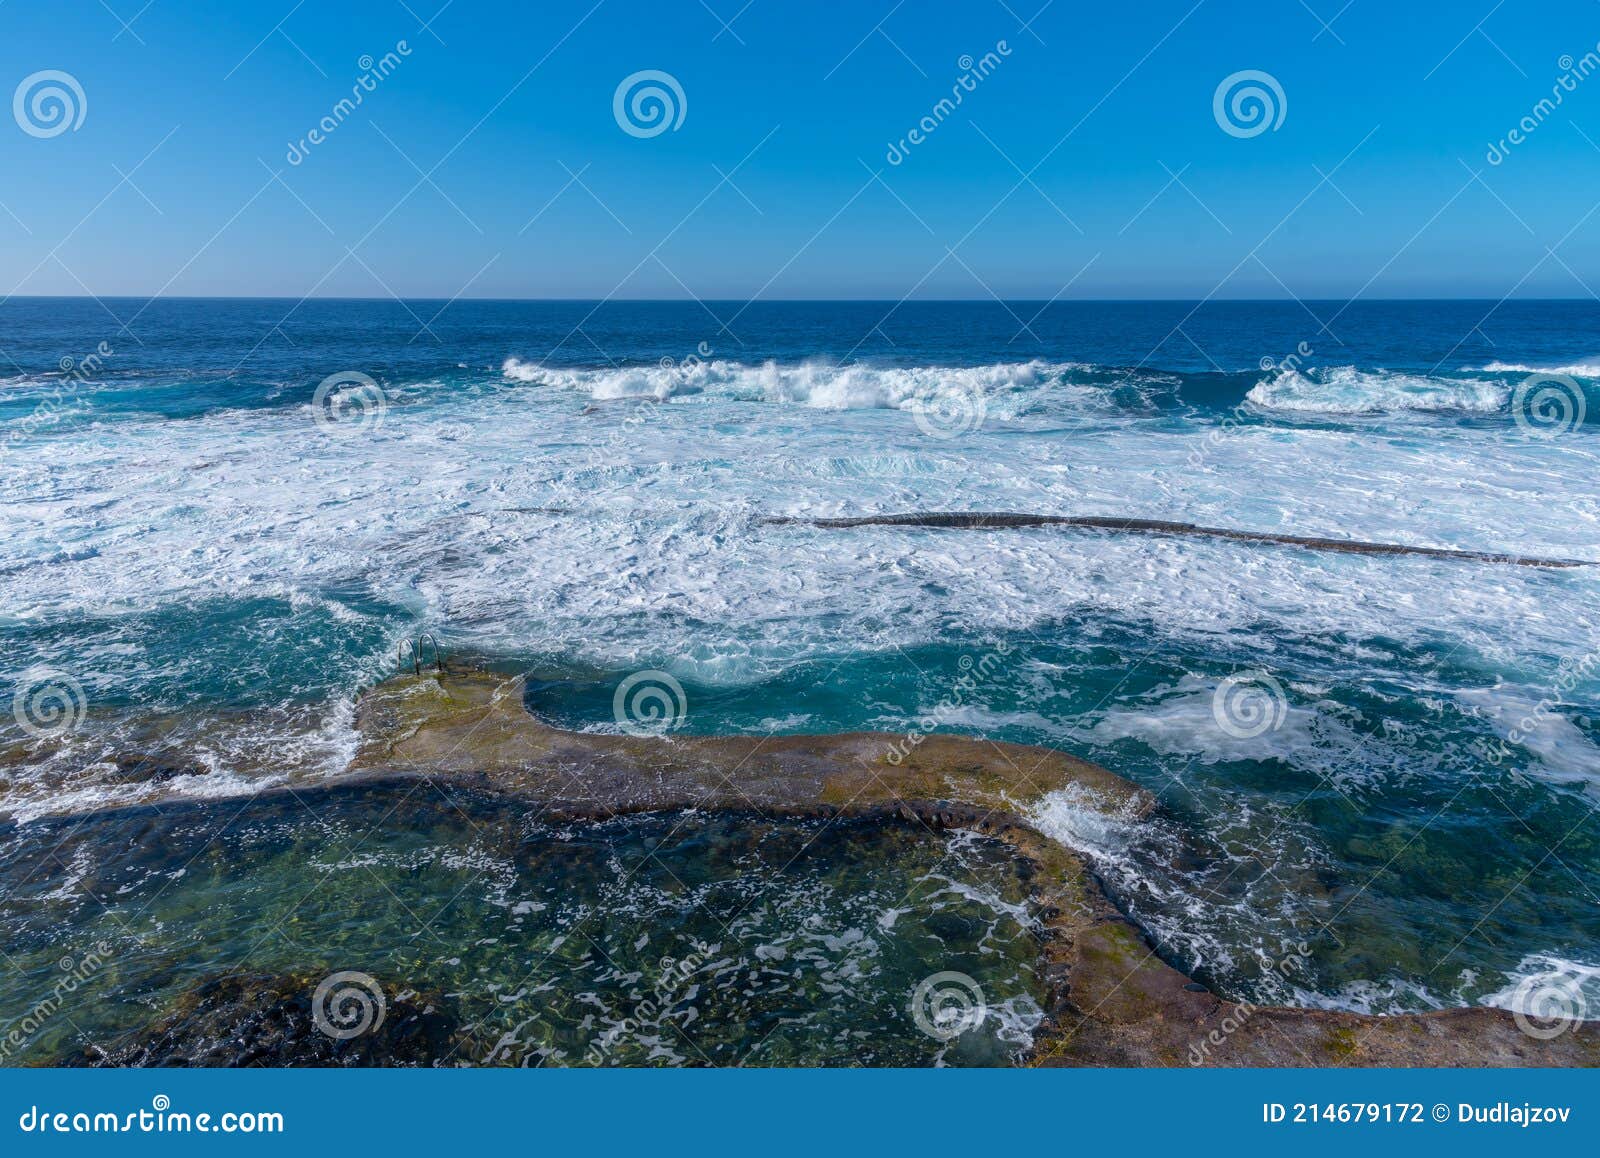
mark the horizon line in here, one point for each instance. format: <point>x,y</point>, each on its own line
<point>989,301</point>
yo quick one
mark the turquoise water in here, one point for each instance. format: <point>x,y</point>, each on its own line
<point>217,574</point>
<point>670,939</point>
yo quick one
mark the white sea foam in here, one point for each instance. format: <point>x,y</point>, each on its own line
<point>1007,386</point>
<point>1529,718</point>
<point>628,538</point>
<point>1576,369</point>
<point>1075,817</point>
<point>31,801</point>
<point>1183,720</point>
<point>1573,988</point>
<point>654,547</point>
<point>1375,998</point>
<point>1347,390</point>
<point>515,522</point>
<point>1231,921</point>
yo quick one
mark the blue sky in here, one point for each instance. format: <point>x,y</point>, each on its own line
<point>1087,163</point>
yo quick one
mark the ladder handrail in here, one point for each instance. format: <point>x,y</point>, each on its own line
<point>418,649</point>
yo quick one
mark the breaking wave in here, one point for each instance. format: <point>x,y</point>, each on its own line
<point>1007,387</point>
<point>1577,369</point>
<point>1347,390</point>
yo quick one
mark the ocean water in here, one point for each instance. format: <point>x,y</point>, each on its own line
<point>1393,762</point>
<point>668,939</point>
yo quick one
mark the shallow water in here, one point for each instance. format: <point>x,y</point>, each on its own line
<point>673,939</point>
<point>220,574</point>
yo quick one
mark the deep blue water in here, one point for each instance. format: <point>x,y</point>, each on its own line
<point>246,352</point>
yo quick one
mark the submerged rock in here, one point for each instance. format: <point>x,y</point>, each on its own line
<point>1113,1000</point>
<point>150,769</point>
<point>1001,520</point>
<point>1104,995</point>
<point>676,938</point>
<point>247,1019</point>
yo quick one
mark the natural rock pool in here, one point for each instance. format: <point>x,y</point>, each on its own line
<point>200,934</point>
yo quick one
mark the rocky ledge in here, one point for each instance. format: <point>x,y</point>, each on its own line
<point>1113,1000</point>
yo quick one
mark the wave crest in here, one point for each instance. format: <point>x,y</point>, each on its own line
<point>1576,369</point>
<point>1007,386</point>
<point>1347,390</point>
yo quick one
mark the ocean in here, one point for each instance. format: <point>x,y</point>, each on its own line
<point>225,519</point>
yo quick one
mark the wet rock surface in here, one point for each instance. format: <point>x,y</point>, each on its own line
<point>1109,998</point>
<point>255,1020</point>
<point>1002,520</point>
<point>1115,1001</point>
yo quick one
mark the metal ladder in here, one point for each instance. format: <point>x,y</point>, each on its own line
<point>417,648</point>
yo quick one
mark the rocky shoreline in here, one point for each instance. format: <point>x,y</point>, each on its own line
<point>1110,999</point>
<point>1114,1001</point>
